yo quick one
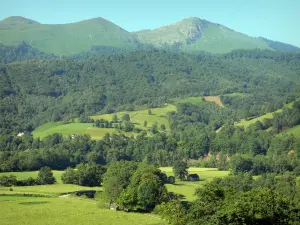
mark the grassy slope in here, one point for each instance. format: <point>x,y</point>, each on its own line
<point>188,188</point>
<point>137,117</point>
<point>218,39</point>
<point>199,35</point>
<point>247,123</point>
<point>56,211</point>
<point>192,100</point>
<point>293,131</point>
<point>66,39</point>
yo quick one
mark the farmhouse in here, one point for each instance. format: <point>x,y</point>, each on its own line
<point>193,177</point>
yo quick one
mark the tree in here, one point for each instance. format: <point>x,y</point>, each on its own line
<point>145,123</point>
<point>126,117</point>
<point>171,180</point>
<point>154,129</point>
<point>149,112</point>
<point>128,127</point>
<point>163,127</point>
<point>145,191</point>
<point>261,206</point>
<point>90,175</point>
<point>117,178</point>
<point>70,176</point>
<point>8,181</point>
<point>45,176</point>
<point>180,170</point>
<point>173,212</point>
<point>115,117</point>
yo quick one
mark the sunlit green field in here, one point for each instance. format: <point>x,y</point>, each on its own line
<point>53,189</point>
<point>247,123</point>
<point>294,131</point>
<point>61,211</point>
<point>159,116</point>
<point>71,128</point>
<point>187,188</point>
<point>192,100</point>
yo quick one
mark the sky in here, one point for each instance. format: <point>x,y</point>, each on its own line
<point>274,19</point>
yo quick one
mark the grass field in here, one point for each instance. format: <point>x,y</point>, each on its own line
<point>73,128</point>
<point>50,209</point>
<point>159,116</point>
<point>59,211</point>
<point>247,123</point>
<point>215,99</point>
<point>187,188</point>
<point>182,187</point>
<point>192,100</point>
<point>293,131</point>
<point>54,189</point>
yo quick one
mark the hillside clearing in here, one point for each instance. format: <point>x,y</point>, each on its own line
<point>158,115</point>
<point>215,99</point>
<point>247,123</point>
<point>191,100</point>
<point>186,188</point>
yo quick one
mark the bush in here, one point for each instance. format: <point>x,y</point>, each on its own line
<point>8,181</point>
<point>45,176</point>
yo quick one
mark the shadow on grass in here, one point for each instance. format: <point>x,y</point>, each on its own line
<point>33,203</point>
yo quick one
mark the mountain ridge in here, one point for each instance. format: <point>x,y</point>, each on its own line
<point>189,34</point>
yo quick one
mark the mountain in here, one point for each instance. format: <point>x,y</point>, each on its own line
<point>64,39</point>
<point>194,34</point>
<point>279,46</point>
<point>15,20</point>
<point>190,35</point>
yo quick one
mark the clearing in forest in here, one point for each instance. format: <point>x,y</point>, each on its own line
<point>187,188</point>
<point>158,115</point>
<point>215,99</point>
<point>247,123</point>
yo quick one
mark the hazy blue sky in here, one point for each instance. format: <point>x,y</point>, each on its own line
<point>274,19</point>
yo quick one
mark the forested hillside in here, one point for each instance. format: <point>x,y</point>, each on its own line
<point>37,91</point>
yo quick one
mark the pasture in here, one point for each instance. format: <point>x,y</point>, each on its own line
<point>247,123</point>
<point>186,188</point>
<point>158,115</point>
<point>58,211</point>
<point>293,131</point>
<point>53,189</point>
<point>191,100</point>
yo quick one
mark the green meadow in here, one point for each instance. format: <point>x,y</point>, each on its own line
<point>186,188</point>
<point>54,189</point>
<point>158,115</point>
<point>20,206</point>
<point>247,123</point>
<point>192,100</point>
<point>59,211</point>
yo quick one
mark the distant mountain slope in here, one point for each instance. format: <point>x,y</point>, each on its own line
<point>190,35</point>
<point>279,46</point>
<point>194,34</point>
<point>64,39</point>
